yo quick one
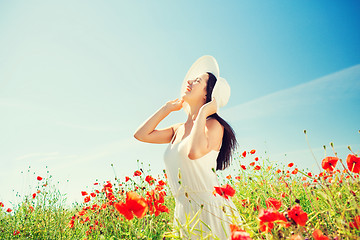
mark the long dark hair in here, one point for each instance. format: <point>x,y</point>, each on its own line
<point>229,142</point>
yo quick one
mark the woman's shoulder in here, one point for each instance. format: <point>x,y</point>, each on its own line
<point>213,124</point>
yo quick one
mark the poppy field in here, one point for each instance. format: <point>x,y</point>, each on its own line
<point>275,201</point>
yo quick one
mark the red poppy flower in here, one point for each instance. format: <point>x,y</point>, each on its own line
<point>155,200</point>
<point>87,199</point>
<point>283,195</point>
<point>353,163</point>
<point>225,191</point>
<point>39,178</point>
<point>81,213</point>
<point>318,235</point>
<point>256,159</point>
<point>244,154</point>
<point>93,194</point>
<point>1,204</point>
<point>273,203</point>
<point>71,224</point>
<point>252,164</point>
<point>149,179</point>
<point>243,167</point>
<point>253,151</point>
<point>161,183</point>
<point>110,196</point>
<point>356,222</point>
<point>278,171</point>
<point>257,167</point>
<point>94,207</point>
<point>270,215</point>
<point>266,226</point>
<point>122,209</point>
<point>290,164</point>
<point>108,185</point>
<point>134,205</point>
<point>83,193</point>
<point>238,234</point>
<point>228,176</point>
<point>298,215</point>
<point>127,179</point>
<point>8,210</point>
<point>295,171</point>
<point>329,163</point>
<point>16,232</point>
<point>309,174</point>
<point>237,177</point>
<point>34,195</point>
<point>137,173</point>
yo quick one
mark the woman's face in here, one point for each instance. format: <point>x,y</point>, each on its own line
<point>196,89</point>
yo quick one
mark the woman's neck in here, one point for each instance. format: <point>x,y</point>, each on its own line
<point>193,113</point>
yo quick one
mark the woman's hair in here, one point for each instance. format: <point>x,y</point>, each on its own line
<point>229,142</point>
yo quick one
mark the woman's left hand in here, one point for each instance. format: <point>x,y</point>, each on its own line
<point>209,108</point>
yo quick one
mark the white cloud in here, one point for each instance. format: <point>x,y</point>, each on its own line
<point>99,153</point>
<point>85,127</point>
<point>332,87</point>
<point>38,155</point>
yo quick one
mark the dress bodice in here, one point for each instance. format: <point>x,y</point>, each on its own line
<point>186,175</point>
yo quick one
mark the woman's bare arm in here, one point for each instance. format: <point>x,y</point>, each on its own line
<point>205,135</point>
<point>147,132</point>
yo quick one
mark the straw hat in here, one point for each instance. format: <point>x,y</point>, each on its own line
<point>204,64</point>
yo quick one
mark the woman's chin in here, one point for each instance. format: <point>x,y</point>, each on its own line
<point>184,96</point>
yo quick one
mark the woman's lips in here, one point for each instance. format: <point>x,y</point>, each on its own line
<point>188,88</point>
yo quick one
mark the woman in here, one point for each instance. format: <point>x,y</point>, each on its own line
<point>197,148</point>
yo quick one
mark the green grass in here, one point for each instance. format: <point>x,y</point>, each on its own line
<point>331,202</point>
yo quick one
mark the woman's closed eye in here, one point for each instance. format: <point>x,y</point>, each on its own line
<point>196,80</point>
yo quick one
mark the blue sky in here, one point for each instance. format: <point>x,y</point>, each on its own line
<point>78,78</point>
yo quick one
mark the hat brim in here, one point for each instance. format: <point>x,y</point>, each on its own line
<point>202,65</point>
<point>205,64</point>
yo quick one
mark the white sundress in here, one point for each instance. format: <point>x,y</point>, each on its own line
<point>192,184</point>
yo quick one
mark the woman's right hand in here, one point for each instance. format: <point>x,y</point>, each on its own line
<point>147,132</point>
<point>174,105</point>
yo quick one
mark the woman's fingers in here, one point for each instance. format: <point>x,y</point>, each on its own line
<point>174,105</point>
